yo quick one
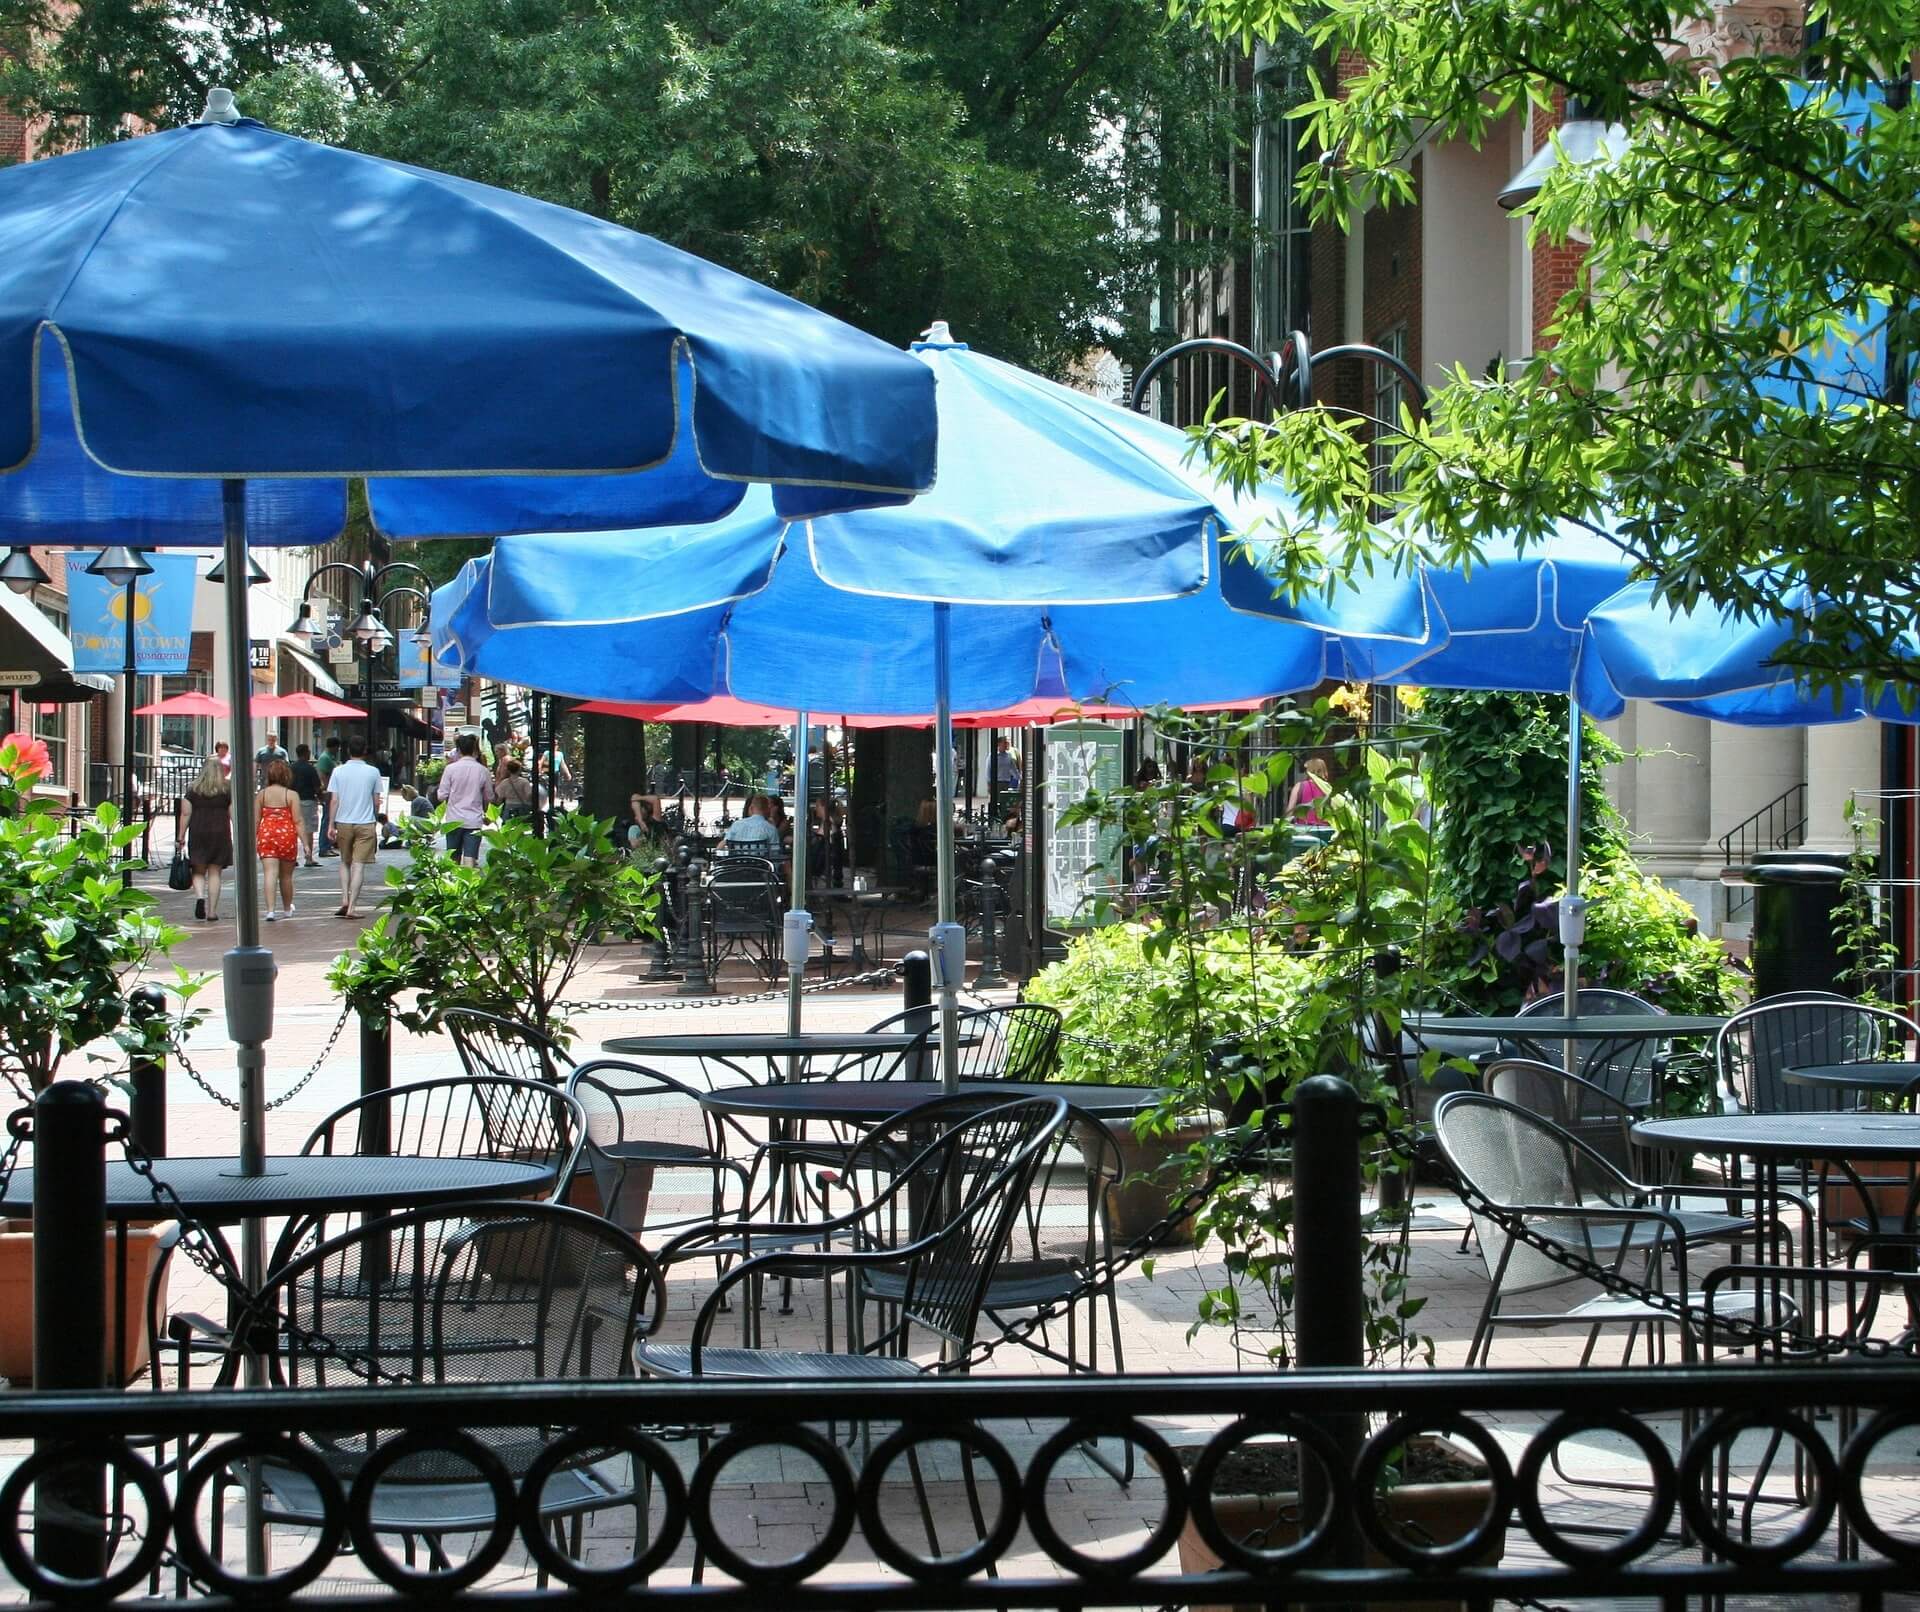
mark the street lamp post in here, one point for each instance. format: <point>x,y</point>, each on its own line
<point>367,629</point>
<point>124,567</point>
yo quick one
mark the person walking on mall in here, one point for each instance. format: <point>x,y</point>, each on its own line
<point>307,784</point>
<point>205,826</point>
<point>354,792</point>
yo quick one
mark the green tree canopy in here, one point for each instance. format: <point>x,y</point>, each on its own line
<point>1000,165</point>
<point>1741,224</point>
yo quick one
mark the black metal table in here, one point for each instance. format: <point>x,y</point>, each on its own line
<point>1588,1027</point>
<point>871,1102</point>
<point>214,1191</point>
<point>863,908</point>
<point>776,1047</point>
<point>1887,1077</point>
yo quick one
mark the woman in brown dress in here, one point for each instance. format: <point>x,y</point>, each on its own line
<point>206,825</point>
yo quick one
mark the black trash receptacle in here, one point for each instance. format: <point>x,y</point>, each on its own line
<point>1794,896</point>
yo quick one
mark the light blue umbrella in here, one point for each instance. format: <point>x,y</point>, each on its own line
<point>1067,539</point>
<point>211,329</point>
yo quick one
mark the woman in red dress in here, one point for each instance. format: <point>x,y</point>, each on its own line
<point>277,835</point>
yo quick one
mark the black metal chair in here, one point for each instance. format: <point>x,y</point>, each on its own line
<point>486,1293</point>
<point>1630,1070</point>
<point>460,1117</point>
<point>488,1044</point>
<point>743,918</point>
<point>957,1199</point>
<point>640,1123</point>
<point>1759,1044</point>
<point>1551,1211</point>
<point>1017,1041</point>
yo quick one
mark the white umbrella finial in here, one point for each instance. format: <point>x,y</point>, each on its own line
<point>221,107</point>
<point>937,334</point>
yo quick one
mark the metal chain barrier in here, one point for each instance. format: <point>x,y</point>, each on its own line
<point>179,1055</point>
<point>886,974</point>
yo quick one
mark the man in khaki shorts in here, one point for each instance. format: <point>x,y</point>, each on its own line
<point>354,791</point>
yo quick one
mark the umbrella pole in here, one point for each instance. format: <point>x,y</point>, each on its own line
<point>799,922</point>
<point>1573,924</point>
<point>248,967</point>
<point>949,940</point>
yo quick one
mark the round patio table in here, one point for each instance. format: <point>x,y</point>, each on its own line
<point>1887,1077</point>
<point>1588,1027</point>
<point>214,1191</point>
<point>733,1049</point>
<point>870,1102</point>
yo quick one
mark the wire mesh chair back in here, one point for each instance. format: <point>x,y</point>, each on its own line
<point>1521,1167</point>
<point>1576,1106</point>
<point>1759,1044</point>
<point>744,895</point>
<point>954,1179</point>
<point>914,1063</point>
<point>488,1044</point>
<point>636,1116</point>
<point>1018,1041</point>
<point>1623,1069</point>
<point>460,1117</point>
<point>486,1293</point>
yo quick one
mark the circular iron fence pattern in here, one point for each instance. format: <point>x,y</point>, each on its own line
<point>973,1440</point>
<point>488,1470</point>
<point>1313,1540</point>
<point>1078,1431</point>
<point>220,1458</point>
<point>1853,1465</point>
<point>1532,1468</point>
<point>1720,1432</point>
<point>113,1455</point>
<point>1379,1450</point>
<point>772,1575</point>
<point>647,1455</point>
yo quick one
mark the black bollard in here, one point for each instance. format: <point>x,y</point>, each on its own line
<point>70,1309</point>
<point>1329,1306</point>
<point>989,978</point>
<point>376,1075</point>
<point>662,966</point>
<point>147,1108</point>
<point>694,981</point>
<point>916,992</point>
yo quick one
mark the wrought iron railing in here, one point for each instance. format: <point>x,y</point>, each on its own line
<point>1779,825</point>
<point>1830,1524</point>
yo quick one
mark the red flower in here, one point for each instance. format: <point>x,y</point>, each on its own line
<point>24,758</point>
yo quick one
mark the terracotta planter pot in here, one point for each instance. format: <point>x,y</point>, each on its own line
<point>1150,1180</point>
<point>1888,1186</point>
<point>1441,1512</point>
<point>16,1299</point>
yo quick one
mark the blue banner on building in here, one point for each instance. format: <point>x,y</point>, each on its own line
<point>162,616</point>
<point>418,669</point>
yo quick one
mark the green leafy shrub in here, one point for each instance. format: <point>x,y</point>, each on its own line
<point>506,936</point>
<point>73,933</point>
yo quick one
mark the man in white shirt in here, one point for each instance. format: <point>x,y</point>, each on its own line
<point>752,834</point>
<point>354,791</point>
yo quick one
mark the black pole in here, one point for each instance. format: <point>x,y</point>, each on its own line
<point>70,1309</point>
<point>989,978</point>
<point>376,1076</point>
<point>916,997</point>
<point>1329,1307</point>
<point>694,981</point>
<point>668,873</point>
<point>147,1109</point>
<point>533,760</point>
<point>366,685</point>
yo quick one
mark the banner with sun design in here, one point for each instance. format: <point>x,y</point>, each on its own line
<point>162,615</point>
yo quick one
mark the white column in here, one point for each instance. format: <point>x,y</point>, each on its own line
<point>1664,792</point>
<point>1840,759</point>
<point>1751,766</point>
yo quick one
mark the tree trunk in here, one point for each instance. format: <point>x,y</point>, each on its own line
<point>614,751</point>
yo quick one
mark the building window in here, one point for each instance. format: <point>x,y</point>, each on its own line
<point>1283,235</point>
<point>1389,397</point>
<point>190,734</point>
<point>53,723</point>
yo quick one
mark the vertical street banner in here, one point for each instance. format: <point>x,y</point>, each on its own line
<point>418,669</point>
<point>162,616</point>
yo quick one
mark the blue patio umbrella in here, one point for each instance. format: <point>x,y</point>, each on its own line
<point>1718,663</point>
<point>1067,539</point>
<point>212,328</point>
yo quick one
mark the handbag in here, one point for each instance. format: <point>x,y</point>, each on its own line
<point>180,873</point>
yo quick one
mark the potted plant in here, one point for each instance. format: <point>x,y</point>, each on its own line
<point>504,936</point>
<point>74,934</point>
